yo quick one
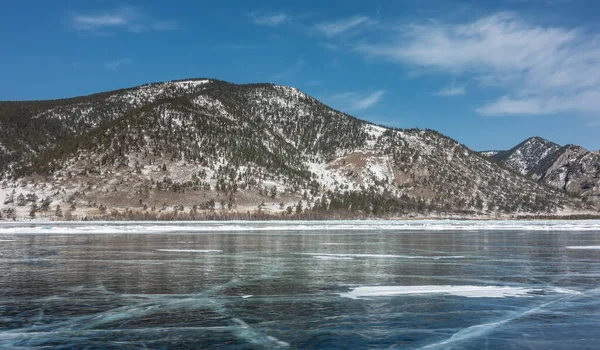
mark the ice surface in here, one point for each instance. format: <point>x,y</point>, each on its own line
<point>584,247</point>
<point>565,291</point>
<point>190,250</point>
<point>463,291</point>
<point>382,256</point>
<point>515,289</point>
<point>330,257</point>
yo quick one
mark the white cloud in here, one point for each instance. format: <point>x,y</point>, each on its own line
<point>368,101</point>
<point>585,102</point>
<point>452,90</point>
<point>126,18</point>
<point>354,101</point>
<point>114,65</point>
<point>593,123</point>
<point>271,20</point>
<point>545,70</point>
<point>336,28</point>
<point>86,22</point>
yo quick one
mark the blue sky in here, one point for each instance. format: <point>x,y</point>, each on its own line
<point>488,73</point>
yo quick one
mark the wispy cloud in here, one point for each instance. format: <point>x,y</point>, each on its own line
<point>115,65</point>
<point>127,18</point>
<point>269,19</point>
<point>544,70</point>
<point>354,101</point>
<point>452,90</point>
<point>335,28</point>
<point>587,102</point>
<point>330,47</point>
<point>289,72</point>
<point>593,123</point>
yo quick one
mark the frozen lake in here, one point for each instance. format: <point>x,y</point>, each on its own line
<point>269,285</point>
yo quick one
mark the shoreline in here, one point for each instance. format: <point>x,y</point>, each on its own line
<point>278,218</point>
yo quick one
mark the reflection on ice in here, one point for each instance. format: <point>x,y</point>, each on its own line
<point>330,257</point>
<point>195,320</point>
<point>190,250</point>
<point>585,247</point>
<point>381,256</point>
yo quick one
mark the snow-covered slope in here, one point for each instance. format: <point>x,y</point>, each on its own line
<point>31,126</point>
<point>527,155</point>
<point>489,153</point>
<point>575,170</point>
<point>570,168</point>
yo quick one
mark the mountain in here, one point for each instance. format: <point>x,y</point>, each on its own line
<point>526,155</point>
<point>570,168</point>
<point>183,149</point>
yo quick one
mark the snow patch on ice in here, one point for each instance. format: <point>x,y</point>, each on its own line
<point>463,291</point>
<point>191,250</point>
<point>584,247</point>
<point>330,257</point>
<point>565,291</point>
<point>382,256</point>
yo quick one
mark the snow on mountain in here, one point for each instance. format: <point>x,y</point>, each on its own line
<point>28,127</point>
<point>488,154</point>
<point>575,170</point>
<point>571,168</point>
<point>152,92</point>
<point>374,133</point>
<point>526,155</point>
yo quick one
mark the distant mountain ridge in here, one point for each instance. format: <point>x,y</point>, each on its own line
<point>526,155</point>
<point>570,168</point>
<point>180,148</point>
